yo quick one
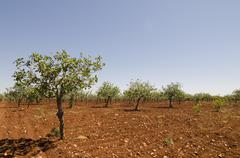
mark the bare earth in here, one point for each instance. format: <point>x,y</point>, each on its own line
<point>117,132</point>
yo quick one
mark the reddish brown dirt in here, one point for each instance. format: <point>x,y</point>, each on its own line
<point>118,133</point>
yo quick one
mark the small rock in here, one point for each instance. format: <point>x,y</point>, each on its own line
<point>220,155</point>
<point>82,137</point>
<point>212,140</point>
<point>165,156</point>
<point>144,144</point>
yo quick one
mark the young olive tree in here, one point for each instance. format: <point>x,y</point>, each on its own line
<point>108,91</point>
<point>171,91</point>
<point>138,90</point>
<point>57,75</point>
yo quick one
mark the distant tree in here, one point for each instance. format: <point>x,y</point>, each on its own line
<point>157,95</point>
<point>1,97</point>
<point>229,98</point>
<point>138,90</point>
<point>171,91</point>
<point>202,97</point>
<point>31,94</point>
<point>180,96</point>
<point>57,75</point>
<point>188,97</point>
<point>108,91</point>
<point>236,95</point>
<point>16,94</point>
<point>72,97</point>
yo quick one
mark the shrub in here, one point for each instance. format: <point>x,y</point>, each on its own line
<point>197,107</point>
<point>218,103</point>
<point>168,141</point>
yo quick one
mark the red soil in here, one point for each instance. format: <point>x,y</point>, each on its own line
<point>118,133</point>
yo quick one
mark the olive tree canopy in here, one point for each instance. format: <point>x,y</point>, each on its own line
<point>57,75</point>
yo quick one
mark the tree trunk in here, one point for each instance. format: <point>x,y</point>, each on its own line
<point>19,102</point>
<point>179,101</point>
<point>60,114</point>
<point>71,102</point>
<point>170,102</point>
<point>138,101</point>
<point>107,101</point>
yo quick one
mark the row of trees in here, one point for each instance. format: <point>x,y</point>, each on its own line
<point>137,92</point>
<point>62,77</point>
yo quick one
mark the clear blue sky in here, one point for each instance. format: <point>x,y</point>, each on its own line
<point>196,43</point>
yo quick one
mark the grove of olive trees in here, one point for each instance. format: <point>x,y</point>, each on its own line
<point>61,77</point>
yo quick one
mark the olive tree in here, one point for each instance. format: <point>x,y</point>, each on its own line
<point>57,75</point>
<point>138,90</point>
<point>171,91</point>
<point>1,97</point>
<point>202,97</point>
<point>180,96</point>
<point>157,95</point>
<point>236,95</point>
<point>16,94</point>
<point>108,91</point>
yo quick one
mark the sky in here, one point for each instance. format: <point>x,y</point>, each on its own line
<point>196,43</point>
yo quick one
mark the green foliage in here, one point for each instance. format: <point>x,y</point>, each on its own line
<point>168,141</point>
<point>172,90</point>
<point>108,90</point>
<point>236,95</point>
<point>1,97</point>
<point>55,132</point>
<point>58,74</point>
<point>197,107</point>
<point>218,103</point>
<point>202,97</point>
<point>139,89</point>
<point>157,95</point>
<point>188,97</point>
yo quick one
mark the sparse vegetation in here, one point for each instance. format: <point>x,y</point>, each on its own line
<point>197,107</point>
<point>218,103</point>
<point>172,90</point>
<point>138,90</point>
<point>168,141</point>
<point>236,95</point>
<point>108,91</point>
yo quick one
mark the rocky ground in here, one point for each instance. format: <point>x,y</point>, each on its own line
<point>118,132</point>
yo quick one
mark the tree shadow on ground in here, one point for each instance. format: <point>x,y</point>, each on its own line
<point>100,107</point>
<point>10,148</point>
<point>132,110</point>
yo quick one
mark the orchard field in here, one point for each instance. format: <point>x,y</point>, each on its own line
<point>52,112</point>
<point>92,131</point>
